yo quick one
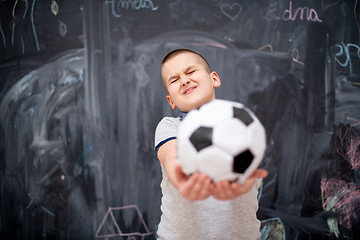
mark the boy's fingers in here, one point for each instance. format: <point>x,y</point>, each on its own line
<point>259,173</point>
<point>188,185</point>
<point>240,189</point>
<point>224,191</point>
<point>206,189</point>
<point>180,175</point>
<point>198,187</point>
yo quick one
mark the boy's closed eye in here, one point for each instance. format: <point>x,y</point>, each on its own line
<point>174,80</point>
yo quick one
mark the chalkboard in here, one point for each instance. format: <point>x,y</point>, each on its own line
<point>81,95</point>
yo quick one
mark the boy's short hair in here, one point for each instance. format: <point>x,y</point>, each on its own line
<point>183,50</point>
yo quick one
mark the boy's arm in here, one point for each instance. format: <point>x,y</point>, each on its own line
<point>194,188</point>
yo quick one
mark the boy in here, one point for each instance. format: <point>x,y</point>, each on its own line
<point>193,207</point>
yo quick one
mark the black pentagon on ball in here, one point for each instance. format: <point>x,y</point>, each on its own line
<point>201,138</point>
<point>242,115</point>
<point>242,161</point>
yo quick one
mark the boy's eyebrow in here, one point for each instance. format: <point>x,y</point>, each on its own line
<point>185,70</point>
<point>172,77</point>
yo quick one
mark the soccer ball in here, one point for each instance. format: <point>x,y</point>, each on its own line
<point>223,139</point>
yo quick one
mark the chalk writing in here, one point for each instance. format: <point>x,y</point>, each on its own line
<point>266,46</point>
<point>13,26</point>
<point>110,214</point>
<point>302,13</point>
<point>311,14</point>
<point>295,57</point>
<point>271,11</point>
<point>345,50</point>
<point>231,11</point>
<point>117,5</point>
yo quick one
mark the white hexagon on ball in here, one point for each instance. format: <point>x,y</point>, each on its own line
<point>215,162</point>
<point>215,112</point>
<point>231,135</point>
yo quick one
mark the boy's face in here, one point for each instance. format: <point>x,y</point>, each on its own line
<point>188,81</point>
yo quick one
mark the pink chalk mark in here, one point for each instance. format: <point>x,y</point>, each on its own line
<point>300,12</point>
<point>211,45</point>
<point>119,232</point>
<point>231,11</point>
<point>349,147</point>
<point>346,199</point>
<point>353,153</point>
<point>327,5</point>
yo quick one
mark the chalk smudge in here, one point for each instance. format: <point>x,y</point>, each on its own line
<point>272,228</point>
<point>348,145</point>
<point>343,198</point>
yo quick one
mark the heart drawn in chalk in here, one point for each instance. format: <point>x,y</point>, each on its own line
<point>231,11</point>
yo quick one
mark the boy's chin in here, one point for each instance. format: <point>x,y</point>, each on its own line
<point>195,103</point>
<point>188,109</point>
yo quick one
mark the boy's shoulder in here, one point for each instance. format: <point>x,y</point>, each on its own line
<point>166,129</point>
<point>168,123</point>
<point>169,120</point>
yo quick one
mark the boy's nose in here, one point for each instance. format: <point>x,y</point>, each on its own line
<point>184,80</point>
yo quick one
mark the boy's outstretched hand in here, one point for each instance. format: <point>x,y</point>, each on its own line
<point>225,190</point>
<point>197,187</point>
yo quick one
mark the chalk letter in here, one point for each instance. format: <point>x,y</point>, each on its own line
<point>289,12</point>
<point>315,18</point>
<point>302,12</point>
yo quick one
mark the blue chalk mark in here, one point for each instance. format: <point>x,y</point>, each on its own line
<point>33,26</point>
<point>344,50</point>
<point>47,211</point>
<point>2,35</point>
<point>31,200</point>
<point>85,153</point>
<point>26,4</point>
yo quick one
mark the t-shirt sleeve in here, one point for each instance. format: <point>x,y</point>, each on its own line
<point>165,131</point>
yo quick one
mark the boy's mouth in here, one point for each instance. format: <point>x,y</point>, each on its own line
<point>189,90</point>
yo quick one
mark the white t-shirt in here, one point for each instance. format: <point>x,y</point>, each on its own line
<point>207,219</point>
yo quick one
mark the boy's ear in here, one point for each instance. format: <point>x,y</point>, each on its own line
<point>172,104</point>
<point>216,79</point>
